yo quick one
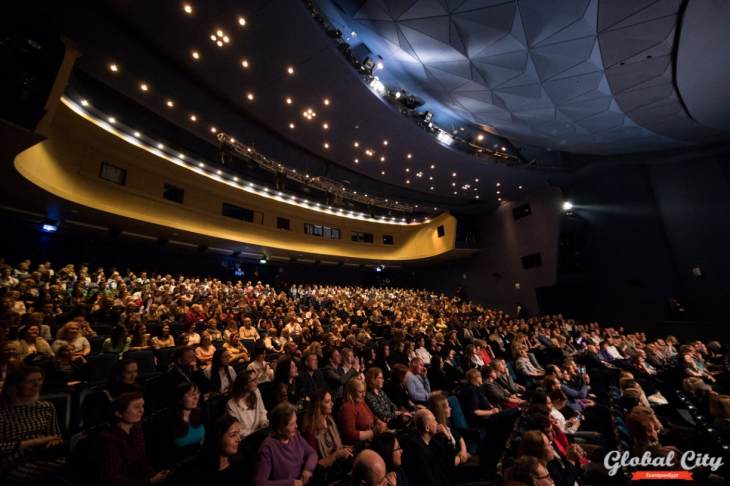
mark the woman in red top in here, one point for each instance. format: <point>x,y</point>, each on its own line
<point>357,421</point>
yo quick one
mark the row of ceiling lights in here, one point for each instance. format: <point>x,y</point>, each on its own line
<point>221,38</point>
<point>113,125</point>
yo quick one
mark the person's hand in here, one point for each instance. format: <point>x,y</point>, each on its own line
<point>464,457</point>
<point>49,440</point>
<point>380,426</point>
<point>575,453</point>
<point>343,453</point>
<point>160,476</point>
<point>306,476</point>
<point>391,478</point>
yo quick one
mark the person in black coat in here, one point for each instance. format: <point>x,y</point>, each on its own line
<point>310,381</point>
<point>423,458</point>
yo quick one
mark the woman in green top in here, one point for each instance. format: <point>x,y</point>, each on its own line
<point>118,342</point>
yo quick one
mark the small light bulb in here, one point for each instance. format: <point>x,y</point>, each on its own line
<point>249,96</point>
<point>241,21</point>
<point>113,68</point>
<point>144,87</point>
<point>188,8</point>
<point>84,103</point>
<point>244,63</point>
<point>326,102</point>
<point>290,70</point>
<point>170,103</point>
<point>196,55</point>
<point>193,118</point>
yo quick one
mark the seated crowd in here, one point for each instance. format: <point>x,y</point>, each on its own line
<point>186,380</point>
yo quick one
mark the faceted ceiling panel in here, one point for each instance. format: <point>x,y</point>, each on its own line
<point>562,75</point>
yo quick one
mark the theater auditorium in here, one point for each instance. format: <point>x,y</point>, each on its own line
<point>365,242</point>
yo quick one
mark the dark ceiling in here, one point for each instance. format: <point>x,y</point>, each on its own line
<point>575,75</point>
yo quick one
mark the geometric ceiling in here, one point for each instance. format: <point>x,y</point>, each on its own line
<point>570,75</point>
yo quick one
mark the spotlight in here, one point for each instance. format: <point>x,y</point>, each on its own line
<point>378,86</point>
<point>444,138</point>
<point>567,206</point>
<point>49,226</point>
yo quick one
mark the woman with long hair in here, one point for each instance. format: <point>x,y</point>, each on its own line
<point>118,343</point>
<point>140,337</point>
<point>30,342</point>
<point>320,431</point>
<point>388,447</point>
<point>357,421</point>
<point>221,374</point>
<point>246,404</point>
<point>124,378</point>
<point>165,339</point>
<point>70,334</point>
<point>453,443</point>
<point>217,464</point>
<point>184,430</point>
<point>285,376</point>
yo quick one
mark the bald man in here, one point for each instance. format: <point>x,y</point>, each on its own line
<point>423,457</point>
<point>368,469</point>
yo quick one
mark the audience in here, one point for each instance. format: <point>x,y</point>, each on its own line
<point>311,347</point>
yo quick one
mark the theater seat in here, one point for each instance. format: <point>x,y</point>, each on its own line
<point>62,404</point>
<point>100,367</point>
<point>145,358</point>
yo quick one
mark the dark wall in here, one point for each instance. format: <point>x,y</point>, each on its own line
<point>490,277</point>
<point>637,232</point>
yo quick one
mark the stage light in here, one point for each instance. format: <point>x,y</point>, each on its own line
<point>112,120</point>
<point>188,9</point>
<point>444,137</point>
<point>49,226</point>
<point>377,86</point>
<point>113,68</point>
<point>84,103</point>
<point>567,206</point>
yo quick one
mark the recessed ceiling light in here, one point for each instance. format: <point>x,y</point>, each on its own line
<point>408,169</point>
<point>137,134</point>
<point>455,193</point>
<point>182,156</point>
<point>480,137</point>
<point>430,178</point>
<point>477,196</point>
<point>112,119</point>
<point>476,180</point>
<point>241,21</point>
<point>453,184</point>
<point>219,172</point>
<point>187,8</point>
<point>201,165</point>
<point>409,156</point>
<point>325,126</point>
<point>453,174</point>
<point>249,96</point>
<point>213,130</point>
<point>326,145</point>
<point>499,184</point>
<point>519,187</point>
<point>356,144</point>
<point>84,103</point>
<point>144,87</point>
<point>504,149</point>
<point>244,63</point>
<point>213,37</point>
<point>357,161</point>
<point>290,69</point>
<point>170,103</point>
<point>326,101</point>
<point>292,126</point>
<point>499,199</point>
<point>382,158</point>
<point>433,166</point>
<point>195,54</point>
<point>226,39</point>
<point>408,181</point>
<point>288,100</point>
<point>113,68</point>
<point>498,192</point>
<point>193,118</point>
<point>160,146</point>
<point>385,142</point>
<point>432,190</point>
<point>233,140</point>
<point>382,172</point>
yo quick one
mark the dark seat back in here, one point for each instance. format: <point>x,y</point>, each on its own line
<point>62,404</point>
<point>99,367</point>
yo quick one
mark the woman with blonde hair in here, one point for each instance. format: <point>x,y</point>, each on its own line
<point>70,334</point>
<point>357,421</point>
<point>453,442</point>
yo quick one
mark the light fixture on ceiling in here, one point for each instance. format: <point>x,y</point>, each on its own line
<point>195,54</point>
<point>519,187</point>
<point>480,137</point>
<point>567,206</point>
<point>356,144</point>
<point>326,102</point>
<point>409,156</point>
<point>288,100</point>
<point>84,103</point>
<point>408,169</point>
<point>325,126</point>
<point>112,120</point>
<point>453,174</point>
<point>250,96</point>
<point>380,65</point>
<point>213,130</point>
<point>188,9</point>
<point>170,103</point>
<point>244,63</point>
<point>137,134</point>
<point>385,142</point>
<point>326,145</point>
<point>290,70</point>
<point>242,21</point>
<point>144,87</point>
<point>499,184</point>
<point>193,118</point>
<point>160,146</point>
<point>382,158</point>
<point>113,68</point>
<point>476,180</point>
<point>377,86</point>
<point>382,172</point>
<point>444,137</point>
<point>291,126</point>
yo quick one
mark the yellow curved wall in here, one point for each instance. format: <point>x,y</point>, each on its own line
<point>68,165</point>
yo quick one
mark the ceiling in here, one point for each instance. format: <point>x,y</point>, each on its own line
<point>581,76</point>
<point>590,76</point>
